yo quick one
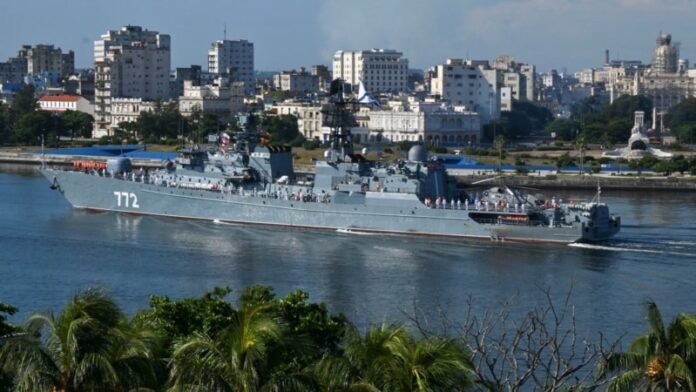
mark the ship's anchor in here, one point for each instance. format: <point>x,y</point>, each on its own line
<point>495,236</point>
<point>55,185</point>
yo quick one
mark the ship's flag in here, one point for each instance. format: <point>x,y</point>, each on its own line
<point>364,97</point>
<point>225,138</point>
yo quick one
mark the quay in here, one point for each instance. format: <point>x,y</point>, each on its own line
<point>67,157</point>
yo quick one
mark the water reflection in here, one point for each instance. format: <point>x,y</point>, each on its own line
<point>50,250</point>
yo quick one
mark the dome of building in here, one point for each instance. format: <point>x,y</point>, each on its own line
<point>417,153</point>
<point>665,55</point>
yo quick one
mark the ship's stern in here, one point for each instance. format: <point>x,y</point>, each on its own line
<point>600,225</point>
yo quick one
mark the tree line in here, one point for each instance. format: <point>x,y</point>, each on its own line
<point>268,343</point>
<point>611,123</point>
<point>23,124</point>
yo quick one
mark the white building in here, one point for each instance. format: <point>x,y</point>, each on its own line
<point>47,58</point>
<point>667,82</point>
<point>505,99</point>
<point>309,118</point>
<point>473,86</point>
<point>62,103</point>
<point>296,81</point>
<point>129,63</point>
<point>126,110</point>
<point>235,59</point>
<point>586,76</point>
<point>381,70</point>
<point>430,123</point>
<point>221,98</point>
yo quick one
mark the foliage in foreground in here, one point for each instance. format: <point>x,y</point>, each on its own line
<point>662,360</point>
<point>266,343</point>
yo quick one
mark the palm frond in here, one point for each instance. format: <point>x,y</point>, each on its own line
<point>656,324</point>
<point>629,381</point>
<point>677,373</point>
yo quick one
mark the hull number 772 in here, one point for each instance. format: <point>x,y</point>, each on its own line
<point>126,199</point>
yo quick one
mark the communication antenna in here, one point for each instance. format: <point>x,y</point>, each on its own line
<point>224,33</point>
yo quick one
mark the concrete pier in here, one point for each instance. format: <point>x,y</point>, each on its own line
<point>28,158</point>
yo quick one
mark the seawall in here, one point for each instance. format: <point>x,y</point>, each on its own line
<point>27,158</point>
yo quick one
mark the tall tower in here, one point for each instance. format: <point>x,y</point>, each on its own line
<point>666,55</point>
<point>235,59</point>
<point>129,63</point>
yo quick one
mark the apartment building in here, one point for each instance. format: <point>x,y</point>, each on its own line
<point>380,70</point>
<point>233,59</point>
<point>129,63</point>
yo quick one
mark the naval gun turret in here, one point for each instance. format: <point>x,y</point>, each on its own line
<point>268,162</point>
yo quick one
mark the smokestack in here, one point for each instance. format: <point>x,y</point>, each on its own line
<point>606,57</point>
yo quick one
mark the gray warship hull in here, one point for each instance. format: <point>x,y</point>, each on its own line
<point>359,212</point>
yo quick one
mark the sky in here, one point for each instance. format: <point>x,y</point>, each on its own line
<point>552,34</point>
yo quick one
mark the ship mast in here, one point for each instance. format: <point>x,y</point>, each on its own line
<point>339,118</point>
<point>248,137</point>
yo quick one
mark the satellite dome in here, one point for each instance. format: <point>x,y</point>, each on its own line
<point>417,154</point>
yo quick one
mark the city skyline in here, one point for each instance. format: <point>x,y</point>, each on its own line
<point>548,33</point>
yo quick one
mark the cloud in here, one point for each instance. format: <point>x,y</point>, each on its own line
<point>549,33</point>
<point>552,33</point>
<point>422,30</point>
<point>658,4</point>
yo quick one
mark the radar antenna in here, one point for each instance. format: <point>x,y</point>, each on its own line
<point>338,116</point>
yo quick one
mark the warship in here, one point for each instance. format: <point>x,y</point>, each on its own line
<point>246,180</point>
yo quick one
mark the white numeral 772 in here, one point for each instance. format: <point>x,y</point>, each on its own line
<point>126,199</point>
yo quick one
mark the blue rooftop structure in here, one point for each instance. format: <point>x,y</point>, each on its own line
<point>131,151</point>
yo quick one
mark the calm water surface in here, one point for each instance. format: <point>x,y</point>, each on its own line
<point>48,251</point>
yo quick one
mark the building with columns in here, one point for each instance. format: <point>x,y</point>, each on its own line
<point>424,122</point>
<point>127,110</point>
<point>667,82</point>
<point>309,117</point>
<point>221,98</point>
<point>62,103</point>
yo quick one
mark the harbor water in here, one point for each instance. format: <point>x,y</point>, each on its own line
<point>49,251</point>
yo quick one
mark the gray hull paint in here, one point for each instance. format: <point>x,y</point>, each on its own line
<point>376,215</point>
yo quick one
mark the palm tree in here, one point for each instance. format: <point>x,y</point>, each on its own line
<point>433,364</point>
<point>499,144</point>
<point>366,363</point>
<point>581,146</point>
<point>389,359</point>
<point>234,360</point>
<point>662,360</point>
<point>90,346</point>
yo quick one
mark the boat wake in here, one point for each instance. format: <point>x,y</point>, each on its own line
<point>219,222</point>
<point>349,231</point>
<point>611,248</point>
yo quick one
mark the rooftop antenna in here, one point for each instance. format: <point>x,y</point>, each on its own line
<point>224,33</point>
